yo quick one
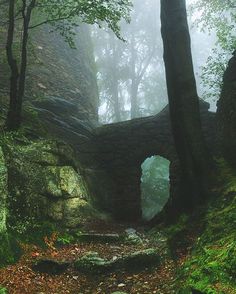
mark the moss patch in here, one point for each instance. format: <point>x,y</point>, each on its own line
<point>211,267</point>
<point>3,290</point>
<point>9,249</point>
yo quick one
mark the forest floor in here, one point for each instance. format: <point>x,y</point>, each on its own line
<point>20,278</point>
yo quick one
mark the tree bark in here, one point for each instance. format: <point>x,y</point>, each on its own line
<point>226,113</point>
<point>184,101</point>
<point>17,85</point>
<point>115,81</point>
<point>11,116</point>
<point>134,86</point>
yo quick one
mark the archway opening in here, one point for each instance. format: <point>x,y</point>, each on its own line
<point>155,186</point>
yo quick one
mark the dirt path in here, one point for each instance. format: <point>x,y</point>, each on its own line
<point>21,279</point>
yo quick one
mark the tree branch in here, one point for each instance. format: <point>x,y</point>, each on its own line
<point>49,21</point>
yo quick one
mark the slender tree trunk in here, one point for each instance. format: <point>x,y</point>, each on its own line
<point>115,81</point>
<point>184,101</point>
<point>26,14</point>
<point>134,99</point>
<point>11,116</point>
<point>116,103</point>
<point>134,86</point>
<point>17,85</point>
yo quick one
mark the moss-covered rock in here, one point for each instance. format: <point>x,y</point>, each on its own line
<point>93,263</point>
<point>99,237</point>
<point>45,183</point>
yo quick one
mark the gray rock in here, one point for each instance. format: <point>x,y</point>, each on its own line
<point>132,237</point>
<point>130,231</point>
<point>95,237</point>
<point>93,263</point>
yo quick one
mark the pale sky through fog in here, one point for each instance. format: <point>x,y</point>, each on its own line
<point>202,44</point>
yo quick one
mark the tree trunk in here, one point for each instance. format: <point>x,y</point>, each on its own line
<point>115,81</point>
<point>12,119</point>
<point>134,99</point>
<point>226,113</point>
<point>184,101</point>
<point>134,86</point>
<point>116,102</point>
<point>17,85</point>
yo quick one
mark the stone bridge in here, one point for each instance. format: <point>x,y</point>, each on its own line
<point>121,148</point>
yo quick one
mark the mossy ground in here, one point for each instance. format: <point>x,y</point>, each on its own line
<point>6,250</point>
<point>210,266</point>
<point>3,290</point>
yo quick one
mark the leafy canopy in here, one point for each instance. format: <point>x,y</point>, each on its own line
<point>218,16</point>
<point>65,15</point>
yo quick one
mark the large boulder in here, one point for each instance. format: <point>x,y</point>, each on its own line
<point>45,182</point>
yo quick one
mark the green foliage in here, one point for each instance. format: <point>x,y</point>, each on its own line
<point>65,239</point>
<point>9,249</point>
<point>217,16</point>
<point>66,15</point>
<point>31,231</point>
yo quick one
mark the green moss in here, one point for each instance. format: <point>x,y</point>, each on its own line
<point>32,231</point>
<point>9,249</point>
<point>211,268</point>
<point>3,290</point>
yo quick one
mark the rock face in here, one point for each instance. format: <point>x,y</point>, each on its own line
<point>45,182</point>
<point>226,113</point>
<point>61,82</point>
<point>63,73</point>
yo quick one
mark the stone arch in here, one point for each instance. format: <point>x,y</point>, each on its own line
<point>120,150</point>
<point>122,147</point>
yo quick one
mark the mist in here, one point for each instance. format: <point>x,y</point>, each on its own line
<point>131,72</point>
